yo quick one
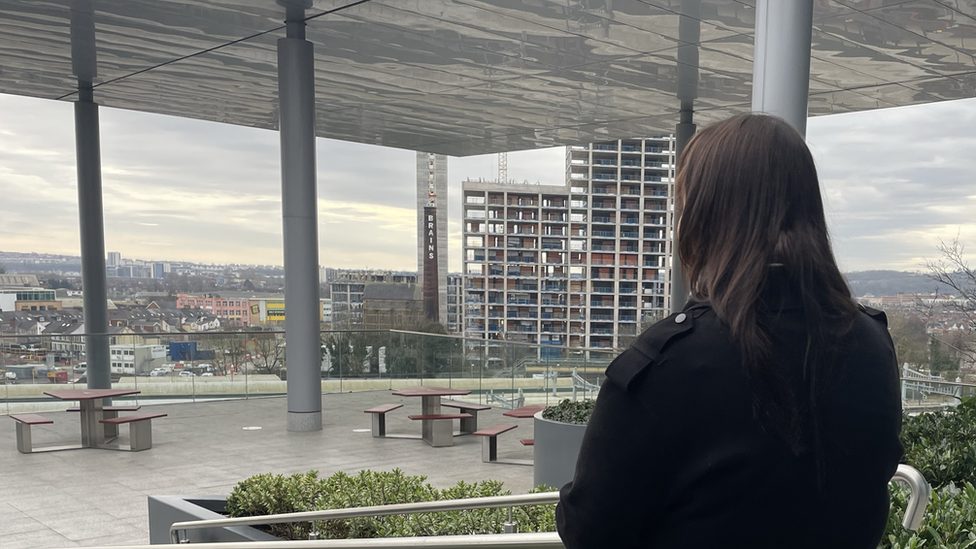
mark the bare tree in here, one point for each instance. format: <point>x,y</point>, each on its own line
<point>229,349</point>
<point>952,270</point>
<point>267,352</point>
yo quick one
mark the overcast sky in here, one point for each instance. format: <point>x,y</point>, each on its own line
<point>896,181</point>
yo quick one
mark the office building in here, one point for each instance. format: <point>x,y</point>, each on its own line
<point>114,259</point>
<point>347,288</point>
<point>160,270</point>
<point>28,299</point>
<point>228,307</point>
<point>583,264</point>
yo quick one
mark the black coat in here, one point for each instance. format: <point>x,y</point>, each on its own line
<point>674,456</point>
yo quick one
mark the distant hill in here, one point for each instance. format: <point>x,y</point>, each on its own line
<point>880,283</point>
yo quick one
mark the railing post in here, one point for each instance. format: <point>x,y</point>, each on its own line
<point>510,527</point>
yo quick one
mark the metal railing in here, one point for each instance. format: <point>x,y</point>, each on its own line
<point>588,389</point>
<point>543,540</point>
<point>371,511</point>
<point>920,492</point>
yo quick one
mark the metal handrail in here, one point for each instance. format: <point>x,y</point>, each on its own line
<point>541,540</point>
<point>518,500</point>
<point>914,512</point>
<point>919,498</point>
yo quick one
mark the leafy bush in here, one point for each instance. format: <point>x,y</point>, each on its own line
<point>949,523</point>
<point>368,488</point>
<point>942,445</point>
<point>268,494</point>
<point>567,411</point>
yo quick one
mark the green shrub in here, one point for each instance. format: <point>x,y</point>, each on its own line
<point>567,411</point>
<point>949,522</point>
<point>942,445</point>
<point>269,494</point>
<point>368,488</point>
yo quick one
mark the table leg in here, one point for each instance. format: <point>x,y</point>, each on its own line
<point>92,433</point>
<point>469,425</point>
<point>430,405</point>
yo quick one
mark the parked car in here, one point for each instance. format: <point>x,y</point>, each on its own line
<point>187,373</point>
<point>158,372</point>
<point>207,374</point>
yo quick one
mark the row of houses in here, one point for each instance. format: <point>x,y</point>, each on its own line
<point>61,331</point>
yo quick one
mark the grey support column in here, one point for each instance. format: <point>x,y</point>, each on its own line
<point>92,239</point>
<point>781,66</point>
<point>89,164</point>
<point>684,130</point>
<point>296,95</point>
<point>689,35</point>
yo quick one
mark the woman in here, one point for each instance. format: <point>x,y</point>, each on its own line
<point>767,412</point>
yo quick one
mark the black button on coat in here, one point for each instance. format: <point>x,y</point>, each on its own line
<point>673,456</point>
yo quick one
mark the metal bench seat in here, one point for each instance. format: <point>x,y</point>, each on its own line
<point>379,418</point>
<point>24,422</point>
<point>489,444</point>
<point>140,429</point>
<point>470,425</point>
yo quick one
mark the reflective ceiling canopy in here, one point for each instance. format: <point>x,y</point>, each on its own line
<point>465,77</point>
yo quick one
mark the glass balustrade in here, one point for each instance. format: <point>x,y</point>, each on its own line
<point>172,368</point>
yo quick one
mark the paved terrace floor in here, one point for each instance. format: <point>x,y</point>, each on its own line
<point>82,498</point>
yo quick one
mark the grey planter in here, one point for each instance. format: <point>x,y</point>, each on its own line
<point>555,450</point>
<point>166,510</point>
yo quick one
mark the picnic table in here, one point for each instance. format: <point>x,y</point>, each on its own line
<point>90,403</point>
<point>437,428</point>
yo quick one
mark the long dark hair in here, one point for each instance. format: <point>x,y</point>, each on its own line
<point>750,205</point>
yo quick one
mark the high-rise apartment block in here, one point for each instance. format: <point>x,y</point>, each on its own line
<point>580,265</point>
<point>455,303</point>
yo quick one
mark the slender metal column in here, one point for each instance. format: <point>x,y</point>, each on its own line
<point>689,35</point>
<point>781,65</point>
<point>684,130</point>
<point>84,66</point>
<point>92,239</point>
<point>296,95</point>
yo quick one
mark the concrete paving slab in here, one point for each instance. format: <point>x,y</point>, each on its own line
<point>98,497</point>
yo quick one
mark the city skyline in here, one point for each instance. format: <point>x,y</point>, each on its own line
<point>896,182</point>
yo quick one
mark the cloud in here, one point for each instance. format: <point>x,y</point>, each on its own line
<point>896,182</point>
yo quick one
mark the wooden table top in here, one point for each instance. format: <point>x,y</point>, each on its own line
<point>525,411</point>
<point>88,394</point>
<point>427,390</point>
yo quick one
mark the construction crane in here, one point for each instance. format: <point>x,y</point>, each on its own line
<point>503,167</point>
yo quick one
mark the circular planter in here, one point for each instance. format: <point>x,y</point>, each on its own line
<point>555,450</point>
